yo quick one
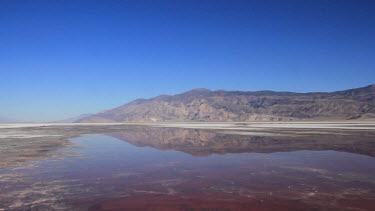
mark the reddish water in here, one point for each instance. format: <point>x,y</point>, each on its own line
<point>106,173</point>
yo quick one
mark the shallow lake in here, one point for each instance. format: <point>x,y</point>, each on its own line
<point>188,169</point>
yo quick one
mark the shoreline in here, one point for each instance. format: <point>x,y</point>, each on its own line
<point>355,125</point>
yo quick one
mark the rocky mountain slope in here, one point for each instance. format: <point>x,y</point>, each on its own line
<point>221,105</point>
<point>74,119</point>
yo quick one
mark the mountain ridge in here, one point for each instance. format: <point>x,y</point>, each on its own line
<point>265,105</point>
<point>7,120</point>
<point>73,119</point>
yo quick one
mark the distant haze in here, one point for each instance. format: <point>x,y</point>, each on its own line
<point>6,120</point>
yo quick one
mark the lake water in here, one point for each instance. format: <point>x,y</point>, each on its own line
<point>181,169</point>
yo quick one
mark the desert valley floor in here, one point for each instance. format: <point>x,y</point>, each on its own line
<point>188,166</point>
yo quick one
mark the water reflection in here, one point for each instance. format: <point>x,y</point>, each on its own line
<point>207,142</point>
<point>157,169</point>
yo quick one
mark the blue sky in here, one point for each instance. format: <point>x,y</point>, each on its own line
<point>59,59</point>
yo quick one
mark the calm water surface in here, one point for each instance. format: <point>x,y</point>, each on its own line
<point>178,169</point>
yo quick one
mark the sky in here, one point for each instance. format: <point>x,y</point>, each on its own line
<point>63,58</point>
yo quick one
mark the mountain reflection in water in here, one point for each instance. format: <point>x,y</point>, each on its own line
<point>147,168</point>
<point>206,142</point>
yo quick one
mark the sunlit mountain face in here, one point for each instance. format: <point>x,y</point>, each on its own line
<point>221,105</point>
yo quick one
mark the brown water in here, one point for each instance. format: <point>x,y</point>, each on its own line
<point>180,169</point>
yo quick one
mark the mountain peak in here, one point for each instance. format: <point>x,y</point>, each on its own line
<point>200,90</point>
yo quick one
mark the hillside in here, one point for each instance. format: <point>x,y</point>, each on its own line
<point>74,119</point>
<point>221,105</point>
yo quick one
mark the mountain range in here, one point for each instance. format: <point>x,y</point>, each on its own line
<point>6,120</point>
<point>73,119</point>
<point>221,105</point>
